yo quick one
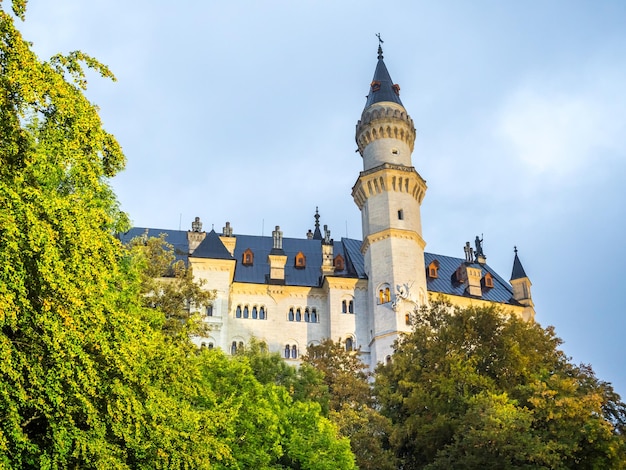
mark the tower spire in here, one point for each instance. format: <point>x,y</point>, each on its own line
<point>317,234</point>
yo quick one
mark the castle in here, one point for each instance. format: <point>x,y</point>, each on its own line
<point>292,293</point>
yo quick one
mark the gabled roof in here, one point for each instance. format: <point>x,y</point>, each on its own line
<point>381,88</point>
<point>211,247</point>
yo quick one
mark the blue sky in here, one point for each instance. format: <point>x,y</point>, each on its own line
<point>245,111</point>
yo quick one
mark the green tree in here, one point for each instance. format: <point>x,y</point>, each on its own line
<point>479,388</point>
<point>168,285</point>
<point>353,407</point>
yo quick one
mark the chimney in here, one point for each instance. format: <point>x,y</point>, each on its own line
<point>195,235</point>
<point>228,239</point>
<point>277,259</point>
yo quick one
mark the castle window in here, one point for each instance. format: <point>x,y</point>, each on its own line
<point>238,312</point>
<point>298,315</point>
<point>262,313</point>
<point>209,311</point>
<point>400,214</point>
<point>254,313</point>
<point>407,319</point>
<point>344,306</point>
<point>313,316</point>
<point>246,312</point>
<point>307,315</point>
<point>487,280</point>
<point>294,352</point>
<point>247,258</point>
<point>351,306</point>
<point>287,351</point>
<point>291,317</point>
<point>339,263</point>
<point>375,85</point>
<point>349,344</point>
<point>203,345</point>
<point>233,348</point>
<point>211,346</point>
<point>384,295</point>
<point>300,260</point>
<point>433,269</point>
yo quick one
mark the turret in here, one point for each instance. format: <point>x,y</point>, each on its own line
<point>389,193</point>
<point>521,288</point>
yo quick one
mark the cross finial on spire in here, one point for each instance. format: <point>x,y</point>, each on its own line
<point>515,249</point>
<point>380,48</point>
<point>317,218</point>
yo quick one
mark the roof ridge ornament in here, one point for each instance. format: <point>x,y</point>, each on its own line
<point>380,49</point>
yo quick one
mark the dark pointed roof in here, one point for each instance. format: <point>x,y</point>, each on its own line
<point>317,235</point>
<point>212,247</point>
<point>382,87</point>
<point>518,270</point>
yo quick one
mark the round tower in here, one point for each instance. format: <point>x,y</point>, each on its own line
<point>389,193</point>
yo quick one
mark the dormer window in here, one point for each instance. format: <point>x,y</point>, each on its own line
<point>300,260</point>
<point>433,269</point>
<point>396,88</point>
<point>487,281</point>
<point>339,263</point>
<point>375,85</point>
<point>247,258</point>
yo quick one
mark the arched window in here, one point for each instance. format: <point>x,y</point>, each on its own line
<point>255,313</point>
<point>487,280</point>
<point>291,314</point>
<point>247,258</point>
<point>349,344</point>
<point>209,311</point>
<point>203,345</point>
<point>238,312</point>
<point>287,351</point>
<point>211,346</point>
<point>407,319</point>
<point>240,346</point>
<point>344,307</point>
<point>300,260</point>
<point>298,315</point>
<point>384,294</point>
<point>314,316</point>
<point>233,348</point>
<point>246,312</point>
<point>351,306</point>
<point>388,360</point>
<point>307,315</point>
<point>294,352</point>
<point>262,313</point>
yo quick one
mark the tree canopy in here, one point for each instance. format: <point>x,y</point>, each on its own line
<point>479,388</point>
<point>90,376</point>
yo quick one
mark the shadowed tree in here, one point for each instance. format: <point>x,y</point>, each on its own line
<point>478,388</point>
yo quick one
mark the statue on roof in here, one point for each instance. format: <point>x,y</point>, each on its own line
<point>479,247</point>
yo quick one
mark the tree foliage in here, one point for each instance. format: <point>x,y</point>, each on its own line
<point>479,388</point>
<point>168,285</point>
<point>352,405</point>
<point>88,376</point>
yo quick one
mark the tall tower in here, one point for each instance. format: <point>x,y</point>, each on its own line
<point>389,193</point>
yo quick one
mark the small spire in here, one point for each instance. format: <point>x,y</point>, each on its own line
<point>518,269</point>
<point>317,235</point>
